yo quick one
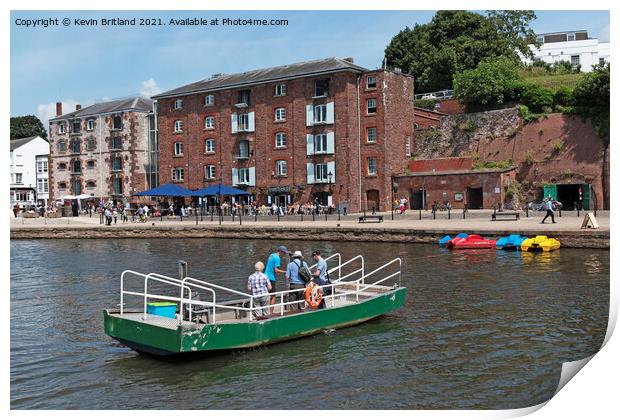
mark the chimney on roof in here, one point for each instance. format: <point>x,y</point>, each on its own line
<point>58,109</point>
<point>78,107</point>
<point>349,59</point>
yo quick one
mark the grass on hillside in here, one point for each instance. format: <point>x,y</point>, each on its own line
<point>552,81</point>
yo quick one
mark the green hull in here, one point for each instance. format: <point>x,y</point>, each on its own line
<point>227,336</point>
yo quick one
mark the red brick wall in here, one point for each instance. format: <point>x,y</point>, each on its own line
<point>447,164</point>
<point>450,107</point>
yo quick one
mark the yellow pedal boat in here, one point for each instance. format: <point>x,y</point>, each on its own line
<point>540,243</point>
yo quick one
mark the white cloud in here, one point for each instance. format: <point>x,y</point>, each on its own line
<point>150,88</point>
<point>47,111</point>
<point>604,34</point>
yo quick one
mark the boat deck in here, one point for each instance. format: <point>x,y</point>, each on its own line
<point>229,316</point>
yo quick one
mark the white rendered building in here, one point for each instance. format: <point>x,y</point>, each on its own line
<point>575,47</point>
<point>29,171</point>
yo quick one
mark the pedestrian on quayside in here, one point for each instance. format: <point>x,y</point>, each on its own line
<point>549,206</point>
<point>273,268</point>
<point>260,286</point>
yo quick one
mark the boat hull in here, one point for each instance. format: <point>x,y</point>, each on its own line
<point>159,340</point>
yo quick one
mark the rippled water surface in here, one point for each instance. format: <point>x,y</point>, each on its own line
<point>480,329</point>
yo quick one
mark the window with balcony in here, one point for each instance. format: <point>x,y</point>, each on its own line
<point>210,122</point>
<point>178,148</point>
<point>371,82</point>
<point>178,126</point>
<point>90,125</point>
<point>210,172</point>
<point>177,174</point>
<point>209,100</point>
<point>371,106</point>
<point>244,149</point>
<point>178,104</point>
<point>280,89</point>
<point>321,88</point>
<point>280,140</point>
<point>75,147</point>
<point>116,143</point>
<point>320,114</point>
<point>320,143</point>
<point>117,123</point>
<point>244,176</point>
<point>372,166</point>
<point>210,146</point>
<point>321,172</point>
<point>281,168</point>
<point>77,125</point>
<point>371,135</point>
<point>280,114</point>
<point>244,97</point>
<point>117,163</point>
<point>76,167</point>
<point>243,122</point>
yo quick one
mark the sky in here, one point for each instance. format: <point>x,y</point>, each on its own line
<point>89,64</point>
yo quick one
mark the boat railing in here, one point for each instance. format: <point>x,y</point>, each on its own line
<point>188,284</point>
<point>336,255</point>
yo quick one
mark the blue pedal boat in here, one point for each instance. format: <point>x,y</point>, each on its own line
<point>510,242</point>
<point>444,241</point>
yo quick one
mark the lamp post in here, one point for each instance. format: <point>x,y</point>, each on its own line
<point>330,176</point>
<point>392,188</point>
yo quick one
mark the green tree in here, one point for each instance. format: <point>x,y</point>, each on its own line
<point>537,98</point>
<point>27,126</point>
<point>456,40</point>
<point>493,82</point>
<point>591,99</point>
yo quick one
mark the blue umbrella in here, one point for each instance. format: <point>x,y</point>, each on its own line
<point>218,190</point>
<point>167,190</point>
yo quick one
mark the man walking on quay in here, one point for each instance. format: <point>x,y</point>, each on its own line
<point>273,268</point>
<point>549,211</point>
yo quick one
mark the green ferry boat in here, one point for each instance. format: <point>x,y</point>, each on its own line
<point>170,317</point>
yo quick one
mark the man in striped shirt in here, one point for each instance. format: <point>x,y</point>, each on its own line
<point>259,285</point>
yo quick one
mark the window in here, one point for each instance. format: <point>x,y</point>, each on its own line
<point>178,104</point>
<point>209,100</point>
<point>178,126</point>
<point>90,143</point>
<point>62,166</point>
<point>540,39</point>
<point>320,172</point>
<point>177,174</point>
<point>371,82</point>
<point>117,123</point>
<point>117,143</point>
<point>574,60</point>
<point>90,125</point>
<point>371,134</point>
<point>77,187</point>
<point>75,146</point>
<point>210,172</point>
<point>280,90</point>
<point>601,61</point>
<point>77,125</point>
<point>408,146</point>
<point>117,163</point>
<point>210,146</point>
<point>90,185</point>
<point>371,106</point>
<point>117,185</point>
<point>280,114</point>
<point>42,186</point>
<point>178,148</point>
<point>18,178</point>
<point>62,128</point>
<point>244,97</point>
<point>280,168</point>
<point>243,122</point>
<point>62,146</point>
<point>244,176</point>
<point>90,164</point>
<point>244,149</point>
<point>62,186</point>
<point>320,113</point>
<point>280,140</point>
<point>210,122</point>
<point>320,143</point>
<point>321,87</point>
<point>41,166</point>
<point>76,167</point>
<point>570,37</point>
<point>372,166</point>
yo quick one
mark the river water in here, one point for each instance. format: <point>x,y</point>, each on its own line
<point>480,329</point>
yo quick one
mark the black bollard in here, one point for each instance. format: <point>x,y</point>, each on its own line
<point>345,211</point>
<point>211,213</point>
<point>278,215</point>
<point>338,214</point>
<point>181,215</point>
<point>434,211</point>
<point>302,217</point>
<point>256,216</point>
<point>326,216</point>
<point>196,218</point>
<point>239,218</point>
<point>419,214</point>
<point>448,213</point>
<point>577,211</point>
<point>560,211</point>
<point>527,210</point>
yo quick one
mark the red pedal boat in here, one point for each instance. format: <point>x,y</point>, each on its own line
<point>471,242</point>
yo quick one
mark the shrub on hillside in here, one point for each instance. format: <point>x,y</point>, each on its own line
<point>537,99</point>
<point>563,97</point>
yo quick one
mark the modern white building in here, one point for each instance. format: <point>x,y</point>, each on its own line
<point>572,46</point>
<point>29,171</point>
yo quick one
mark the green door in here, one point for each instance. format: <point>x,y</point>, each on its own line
<point>586,196</point>
<point>550,190</point>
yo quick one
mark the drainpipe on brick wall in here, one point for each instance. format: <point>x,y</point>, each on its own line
<point>99,181</point>
<point>359,144</point>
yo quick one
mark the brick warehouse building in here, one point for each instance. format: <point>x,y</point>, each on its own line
<point>101,150</point>
<point>326,129</point>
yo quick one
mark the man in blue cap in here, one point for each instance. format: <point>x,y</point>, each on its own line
<point>272,268</point>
